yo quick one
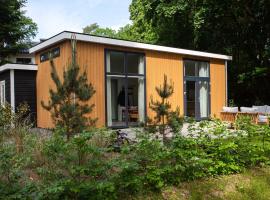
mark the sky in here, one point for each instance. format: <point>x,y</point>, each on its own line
<point>55,16</point>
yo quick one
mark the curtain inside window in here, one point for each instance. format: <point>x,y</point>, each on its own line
<point>203,90</point>
<point>141,105</point>
<point>203,69</point>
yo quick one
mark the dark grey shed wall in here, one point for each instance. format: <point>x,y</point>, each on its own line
<point>25,89</point>
<point>5,76</point>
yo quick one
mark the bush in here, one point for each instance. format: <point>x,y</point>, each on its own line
<point>86,167</point>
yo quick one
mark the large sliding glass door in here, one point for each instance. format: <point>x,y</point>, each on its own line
<point>125,83</point>
<point>197,90</point>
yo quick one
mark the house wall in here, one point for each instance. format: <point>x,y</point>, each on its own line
<point>44,82</point>
<point>218,86</point>
<point>25,90</point>
<point>5,76</point>
<point>13,58</point>
<point>90,57</point>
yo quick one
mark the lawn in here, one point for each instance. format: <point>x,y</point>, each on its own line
<point>251,184</point>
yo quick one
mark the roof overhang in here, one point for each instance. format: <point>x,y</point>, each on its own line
<point>15,66</point>
<point>122,43</point>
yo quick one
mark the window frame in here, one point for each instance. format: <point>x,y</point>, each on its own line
<point>125,76</point>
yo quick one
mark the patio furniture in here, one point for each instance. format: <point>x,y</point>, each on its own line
<point>264,113</point>
<point>228,114</point>
<point>258,114</point>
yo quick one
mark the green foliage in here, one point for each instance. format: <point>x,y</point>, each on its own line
<point>127,32</point>
<point>85,166</point>
<point>15,124</point>
<point>95,29</point>
<point>229,27</point>
<point>16,29</point>
<point>68,104</point>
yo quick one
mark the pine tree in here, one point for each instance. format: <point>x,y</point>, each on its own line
<point>165,117</point>
<point>68,103</point>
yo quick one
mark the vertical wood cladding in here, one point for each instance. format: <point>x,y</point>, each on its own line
<point>25,89</point>
<point>218,86</point>
<point>158,64</point>
<point>5,76</point>
<point>44,82</point>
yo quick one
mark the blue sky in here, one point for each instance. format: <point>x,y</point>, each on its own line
<point>54,16</point>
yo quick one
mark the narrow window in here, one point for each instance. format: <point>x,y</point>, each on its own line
<point>53,53</point>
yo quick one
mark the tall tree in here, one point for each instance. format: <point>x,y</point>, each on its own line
<point>15,28</point>
<point>127,32</point>
<point>68,104</point>
<point>239,28</point>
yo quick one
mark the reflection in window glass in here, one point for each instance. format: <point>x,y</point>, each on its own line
<point>135,99</point>
<point>190,68</point>
<point>135,63</point>
<point>196,68</point>
<point>115,101</point>
<point>190,98</point>
<point>115,62</point>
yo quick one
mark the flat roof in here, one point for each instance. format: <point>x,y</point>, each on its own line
<point>66,35</point>
<point>16,66</point>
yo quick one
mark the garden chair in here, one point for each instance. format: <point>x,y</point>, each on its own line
<point>228,114</point>
<point>263,114</point>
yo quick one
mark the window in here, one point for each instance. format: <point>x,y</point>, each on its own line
<point>197,89</point>
<point>23,60</point>
<point>2,93</point>
<point>51,53</point>
<point>196,68</point>
<point>125,84</point>
<point>116,61</point>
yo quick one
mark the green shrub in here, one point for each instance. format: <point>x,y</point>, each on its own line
<point>86,167</point>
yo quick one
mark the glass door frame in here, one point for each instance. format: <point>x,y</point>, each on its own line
<point>124,76</point>
<point>197,79</point>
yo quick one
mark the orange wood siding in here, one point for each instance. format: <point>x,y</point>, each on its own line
<point>44,82</point>
<point>91,58</point>
<point>218,86</point>
<point>158,64</point>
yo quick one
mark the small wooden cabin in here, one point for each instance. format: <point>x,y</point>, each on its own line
<point>125,74</point>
